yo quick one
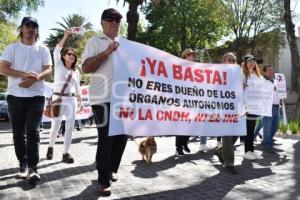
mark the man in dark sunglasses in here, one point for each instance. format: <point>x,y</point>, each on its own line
<point>98,60</point>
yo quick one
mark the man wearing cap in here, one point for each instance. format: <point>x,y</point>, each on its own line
<point>26,64</point>
<point>97,59</point>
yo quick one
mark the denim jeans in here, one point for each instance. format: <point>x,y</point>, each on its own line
<point>270,125</point>
<point>203,139</point>
<point>258,127</point>
<point>25,114</point>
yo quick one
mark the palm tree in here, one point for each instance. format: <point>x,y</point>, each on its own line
<point>70,21</point>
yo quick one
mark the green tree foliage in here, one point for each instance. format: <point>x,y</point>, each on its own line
<point>7,36</point>
<point>11,8</point>
<point>179,24</point>
<point>249,18</point>
<point>68,22</point>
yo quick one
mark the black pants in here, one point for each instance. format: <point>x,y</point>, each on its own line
<point>181,141</point>
<point>25,115</point>
<point>110,148</point>
<point>249,138</point>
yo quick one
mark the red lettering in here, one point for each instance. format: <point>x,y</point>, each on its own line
<point>177,75</point>
<point>151,64</point>
<point>126,113</point>
<point>217,78</point>
<point>161,69</point>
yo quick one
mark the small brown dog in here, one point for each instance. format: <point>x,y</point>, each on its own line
<point>147,148</point>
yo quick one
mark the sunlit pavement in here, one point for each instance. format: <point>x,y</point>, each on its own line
<point>194,176</point>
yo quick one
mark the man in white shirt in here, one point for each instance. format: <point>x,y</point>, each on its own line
<point>270,124</point>
<point>26,64</point>
<point>97,59</point>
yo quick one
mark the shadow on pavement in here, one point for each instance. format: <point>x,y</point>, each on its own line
<point>89,193</point>
<point>143,170</point>
<point>215,187</point>
<point>14,171</point>
<point>296,194</point>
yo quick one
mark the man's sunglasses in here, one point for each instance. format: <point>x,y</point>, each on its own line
<point>112,19</point>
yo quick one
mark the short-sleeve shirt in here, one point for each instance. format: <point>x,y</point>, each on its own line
<point>101,79</point>
<point>27,58</point>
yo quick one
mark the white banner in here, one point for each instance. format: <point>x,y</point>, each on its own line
<point>280,84</point>
<point>259,97</point>
<point>84,114</point>
<point>156,93</point>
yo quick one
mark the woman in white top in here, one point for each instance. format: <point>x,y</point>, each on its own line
<point>251,72</point>
<point>65,64</point>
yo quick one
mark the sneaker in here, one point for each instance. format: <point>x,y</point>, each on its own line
<point>186,148</point>
<point>249,156</point>
<point>217,153</point>
<point>258,157</point>
<point>230,169</point>
<point>33,177</point>
<point>179,152</point>
<point>67,158</point>
<point>49,154</point>
<point>104,191</point>
<point>23,173</point>
<point>260,136</point>
<point>114,177</point>
<point>203,148</point>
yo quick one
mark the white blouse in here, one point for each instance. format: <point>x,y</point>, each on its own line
<point>61,74</point>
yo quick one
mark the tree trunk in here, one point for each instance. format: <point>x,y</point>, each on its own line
<point>133,18</point>
<point>292,40</point>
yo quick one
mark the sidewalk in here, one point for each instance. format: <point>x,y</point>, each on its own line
<point>194,176</point>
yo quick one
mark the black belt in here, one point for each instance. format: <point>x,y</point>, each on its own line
<point>276,105</point>
<point>65,94</point>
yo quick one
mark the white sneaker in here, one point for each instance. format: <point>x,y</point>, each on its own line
<point>22,174</point>
<point>203,147</point>
<point>249,156</point>
<point>219,144</point>
<point>258,157</point>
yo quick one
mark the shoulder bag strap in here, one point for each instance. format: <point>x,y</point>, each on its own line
<point>66,84</point>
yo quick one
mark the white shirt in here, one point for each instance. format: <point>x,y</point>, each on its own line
<point>61,74</point>
<point>101,80</point>
<point>276,99</point>
<point>27,58</point>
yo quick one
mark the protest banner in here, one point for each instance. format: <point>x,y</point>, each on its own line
<point>259,97</point>
<point>280,84</point>
<point>156,93</point>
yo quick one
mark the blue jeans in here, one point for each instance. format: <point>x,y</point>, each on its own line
<point>203,139</point>
<point>270,125</point>
<point>258,127</point>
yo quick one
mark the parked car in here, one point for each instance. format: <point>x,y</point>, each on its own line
<point>3,107</point>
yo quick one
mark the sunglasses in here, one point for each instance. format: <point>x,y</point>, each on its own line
<point>71,54</point>
<point>111,20</point>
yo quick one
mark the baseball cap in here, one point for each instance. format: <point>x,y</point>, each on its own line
<point>27,20</point>
<point>111,13</point>
<point>249,57</point>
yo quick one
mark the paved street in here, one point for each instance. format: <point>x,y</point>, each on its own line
<point>194,176</point>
